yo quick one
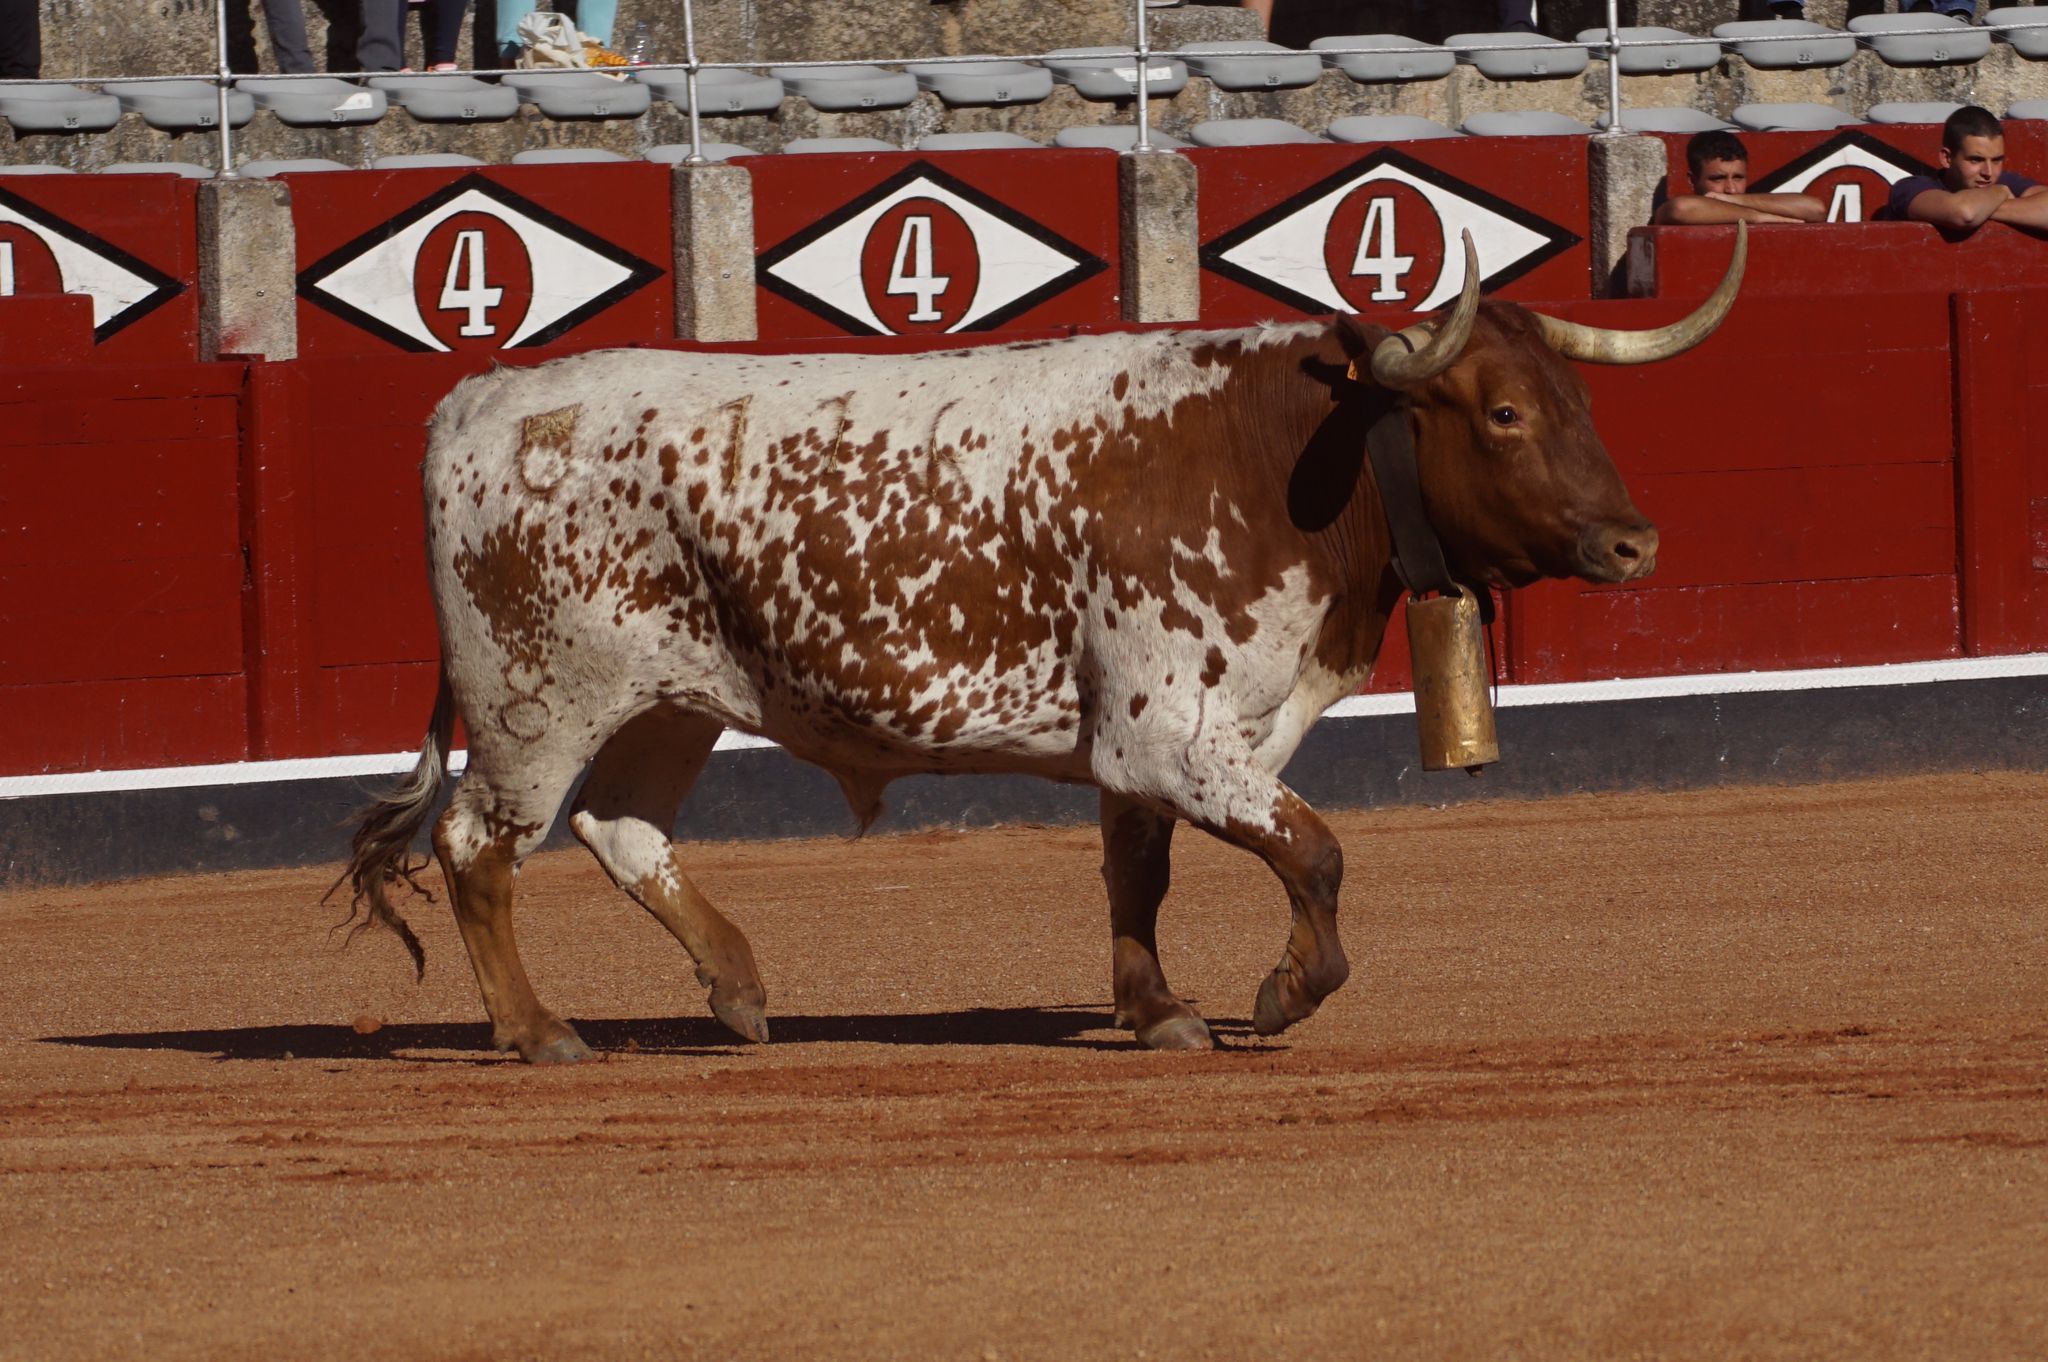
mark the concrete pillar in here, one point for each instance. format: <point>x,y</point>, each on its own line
<point>248,262</point>
<point>1622,174</point>
<point>714,253</point>
<point>1162,268</point>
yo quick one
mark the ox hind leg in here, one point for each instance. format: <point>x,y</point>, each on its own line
<point>492,823</point>
<point>624,815</point>
<point>1221,788</point>
<point>1136,868</point>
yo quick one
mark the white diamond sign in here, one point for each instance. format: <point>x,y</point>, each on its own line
<point>474,266</point>
<point>1852,173</point>
<point>923,252</point>
<point>70,259</point>
<point>1383,232</point>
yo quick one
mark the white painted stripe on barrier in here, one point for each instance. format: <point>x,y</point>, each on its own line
<point>1354,707</point>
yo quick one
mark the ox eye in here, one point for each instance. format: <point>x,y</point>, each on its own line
<point>1505,415</point>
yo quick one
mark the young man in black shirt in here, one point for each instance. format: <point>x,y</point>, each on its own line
<point>1974,186</point>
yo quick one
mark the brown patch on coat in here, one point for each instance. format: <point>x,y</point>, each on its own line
<point>544,447</point>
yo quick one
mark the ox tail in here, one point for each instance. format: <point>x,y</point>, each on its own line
<point>381,853</point>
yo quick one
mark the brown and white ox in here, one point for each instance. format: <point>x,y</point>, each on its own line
<point>1146,562</point>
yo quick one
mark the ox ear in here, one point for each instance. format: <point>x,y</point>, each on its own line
<point>1358,340</point>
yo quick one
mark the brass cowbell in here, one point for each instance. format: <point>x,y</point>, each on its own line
<point>1453,710</point>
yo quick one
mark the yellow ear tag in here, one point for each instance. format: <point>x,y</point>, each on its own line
<point>1352,372</point>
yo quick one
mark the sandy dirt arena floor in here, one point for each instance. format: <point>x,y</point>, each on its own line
<point>1742,1074</point>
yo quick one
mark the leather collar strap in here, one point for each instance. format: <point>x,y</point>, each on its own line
<point>1418,557</point>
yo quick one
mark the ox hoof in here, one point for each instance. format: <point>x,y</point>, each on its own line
<point>563,1049</point>
<point>1177,1033</point>
<point>1281,1004</point>
<point>747,1020</point>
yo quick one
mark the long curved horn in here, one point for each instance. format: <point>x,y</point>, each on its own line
<point>1426,349</point>
<point>1596,345</point>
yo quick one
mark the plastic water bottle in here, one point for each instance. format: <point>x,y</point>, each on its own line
<point>640,46</point>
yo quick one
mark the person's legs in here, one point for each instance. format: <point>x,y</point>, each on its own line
<point>441,26</point>
<point>510,12</point>
<point>21,40</point>
<point>287,22</point>
<point>594,18</point>
<point>1518,16</point>
<point>382,46</point>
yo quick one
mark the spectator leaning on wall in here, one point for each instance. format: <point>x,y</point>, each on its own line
<point>1718,165</point>
<point>1974,186</point>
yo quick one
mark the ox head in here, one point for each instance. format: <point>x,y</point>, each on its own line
<point>1514,477</point>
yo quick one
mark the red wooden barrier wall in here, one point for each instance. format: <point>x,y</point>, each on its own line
<point>214,562</point>
<point>1827,258</point>
<point>1801,468</point>
<point>121,566</point>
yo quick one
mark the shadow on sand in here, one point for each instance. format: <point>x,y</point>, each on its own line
<point>1068,1027</point>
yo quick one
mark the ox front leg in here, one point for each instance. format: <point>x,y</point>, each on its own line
<point>1225,791</point>
<point>1307,857</point>
<point>479,871</point>
<point>1136,868</point>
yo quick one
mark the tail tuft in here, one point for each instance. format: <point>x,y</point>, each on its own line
<point>380,853</point>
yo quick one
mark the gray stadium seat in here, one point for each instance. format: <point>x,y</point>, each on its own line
<point>675,153</point>
<point>1387,128</point>
<point>1525,123</point>
<point>1271,67</point>
<point>1661,119</point>
<point>1786,44</point>
<point>1520,56</point>
<point>424,160</point>
<point>301,165</point>
<point>1669,53</point>
<point>180,105</point>
<point>580,94</point>
<point>1789,117</point>
<point>2025,30</point>
<point>1248,132</point>
<point>58,108</point>
<point>1417,60</point>
<point>840,89</point>
<point>987,84</point>
<point>560,156</point>
<point>1957,44</point>
<point>813,146</point>
<point>37,170</point>
<point>976,141</point>
<point>1096,73</point>
<point>1909,111</point>
<point>2028,108</point>
<point>719,92</point>
<point>185,168</point>
<point>1113,136</point>
<point>314,102</point>
<point>449,99</point>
